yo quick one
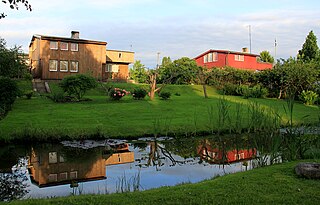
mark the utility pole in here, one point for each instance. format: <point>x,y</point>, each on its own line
<point>158,58</point>
<point>250,37</point>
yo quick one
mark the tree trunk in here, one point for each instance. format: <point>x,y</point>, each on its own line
<point>153,84</point>
<point>205,90</point>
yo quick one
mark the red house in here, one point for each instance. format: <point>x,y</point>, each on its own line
<point>223,58</point>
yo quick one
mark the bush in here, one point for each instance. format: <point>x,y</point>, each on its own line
<point>308,97</point>
<point>165,95</point>
<point>139,93</point>
<point>252,92</point>
<point>8,94</point>
<point>117,93</point>
<point>28,94</point>
<point>77,85</point>
<point>230,89</point>
<point>59,97</point>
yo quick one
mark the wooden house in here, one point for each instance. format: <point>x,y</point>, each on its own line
<point>53,58</point>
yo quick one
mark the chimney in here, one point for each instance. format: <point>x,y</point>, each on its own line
<point>245,50</point>
<point>75,34</point>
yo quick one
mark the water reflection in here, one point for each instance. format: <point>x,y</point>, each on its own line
<point>110,166</point>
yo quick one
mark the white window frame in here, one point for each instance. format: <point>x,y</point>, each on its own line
<point>61,65</point>
<point>51,68</point>
<point>76,48</point>
<point>239,57</point>
<point>53,157</point>
<point>108,68</point>
<point>205,59</point>
<point>53,177</point>
<point>209,57</point>
<point>63,176</point>
<point>71,66</point>
<point>61,47</point>
<point>53,45</point>
<point>73,174</point>
<point>215,56</point>
<point>115,68</point>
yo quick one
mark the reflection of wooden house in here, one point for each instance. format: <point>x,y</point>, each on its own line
<point>49,168</point>
<point>220,156</point>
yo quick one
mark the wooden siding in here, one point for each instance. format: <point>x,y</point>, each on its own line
<point>120,56</point>
<point>90,57</point>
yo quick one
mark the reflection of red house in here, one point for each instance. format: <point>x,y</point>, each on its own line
<point>223,58</point>
<point>217,156</point>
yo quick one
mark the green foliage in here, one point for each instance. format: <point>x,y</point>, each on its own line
<point>138,72</point>
<point>289,76</point>
<point>117,93</point>
<point>310,49</point>
<point>8,94</point>
<point>139,93</point>
<point>180,71</point>
<point>308,97</point>
<point>14,5</point>
<point>28,94</point>
<point>59,97</point>
<point>265,56</point>
<point>11,64</point>
<point>77,85</point>
<point>252,92</point>
<point>164,95</point>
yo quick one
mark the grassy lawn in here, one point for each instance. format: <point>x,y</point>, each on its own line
<point>187,111</point>
<point>275,184</point>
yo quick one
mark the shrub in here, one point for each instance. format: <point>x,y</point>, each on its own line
<point>139,93</point>
<point>230,89</point>
<point>308,97</point>
<point>59,97</point>
<point>165,95</point>
<point>77,85</point>
<point>117,93</point>
<point>28,94</point>
<point>8,93</point>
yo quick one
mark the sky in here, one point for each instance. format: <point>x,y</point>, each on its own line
<point>174,28</point>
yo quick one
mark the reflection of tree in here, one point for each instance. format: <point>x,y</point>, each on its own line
<point>13,185</point>
<point>157,154</point>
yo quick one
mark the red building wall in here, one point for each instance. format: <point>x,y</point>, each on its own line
<point>227,58</point>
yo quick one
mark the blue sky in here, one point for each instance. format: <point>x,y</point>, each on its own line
<point>175,28</point>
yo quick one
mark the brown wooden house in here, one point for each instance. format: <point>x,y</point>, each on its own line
<point>53,58</point>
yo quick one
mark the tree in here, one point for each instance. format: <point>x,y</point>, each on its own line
<point>266,57</point>
<point>138,72</point>
<point>77,85</point>
<point>8,94</point>
<point>310,49</point>
<point>14,5</point>
<point>11,65</point>
<point>166,61</point>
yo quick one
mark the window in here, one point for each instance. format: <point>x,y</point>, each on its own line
<point>214,56</point>
<point>205,59</point>
<point>53,177</point>
<point>239,57</point>
<point>63,176</point>
<point>74,66</point>
<point>61,158</point>
<point>209,57</point>
<point>53,65</point>
<point>74,47</point>
<point>115,68</point>
<point>64,46</point>
<point>73,175</point>
<point>108,68</point>
<point>53,158</point>
<point>54,45</point>
<point>120,55</point>
<point>64,66</point>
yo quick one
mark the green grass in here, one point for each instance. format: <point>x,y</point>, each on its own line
<point>275,184</point>
<point>42,119</point>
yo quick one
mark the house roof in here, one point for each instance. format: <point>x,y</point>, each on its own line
<point>72,40</point>
<point>226,52</point>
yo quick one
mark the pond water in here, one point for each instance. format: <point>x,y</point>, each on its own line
<point>108,166</point>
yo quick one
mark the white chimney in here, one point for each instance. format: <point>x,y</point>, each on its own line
<point>245,50</point>
<point>75,34</point>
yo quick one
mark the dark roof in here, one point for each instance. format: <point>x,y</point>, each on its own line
<point>72,40</point>
<point>227,52</point>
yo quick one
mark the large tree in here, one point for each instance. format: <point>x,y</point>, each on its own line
<point>138,72</point>
<point>310,48</point>
<point>265,56</point>
<point>11,63</point>
<point>14,4</point>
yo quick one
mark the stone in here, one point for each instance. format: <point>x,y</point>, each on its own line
<point>308,170</point>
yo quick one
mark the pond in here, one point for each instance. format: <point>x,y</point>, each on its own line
<point>109,166</point>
